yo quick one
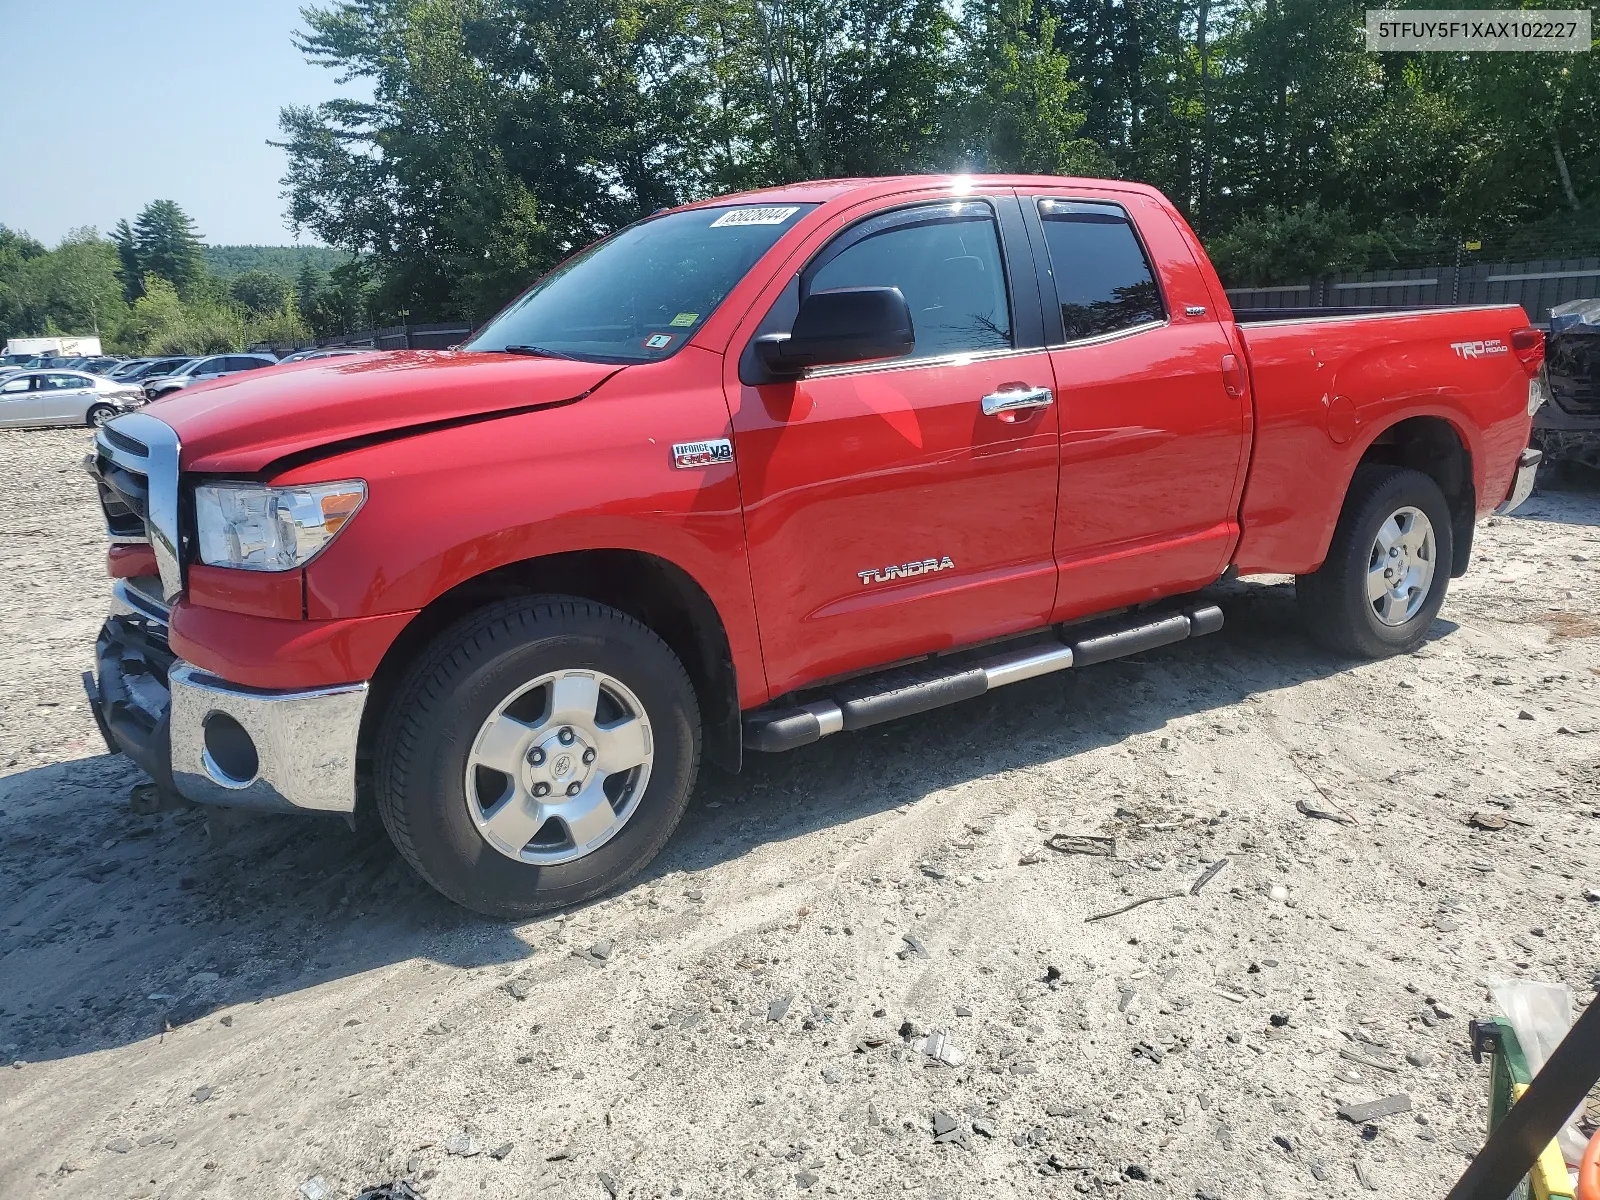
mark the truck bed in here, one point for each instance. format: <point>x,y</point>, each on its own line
<point>1322,389</point>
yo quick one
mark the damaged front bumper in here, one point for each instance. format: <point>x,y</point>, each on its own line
<point>215,742</point>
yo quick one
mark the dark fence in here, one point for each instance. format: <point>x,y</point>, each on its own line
<point>1537,286</point>
<point>394,337</point>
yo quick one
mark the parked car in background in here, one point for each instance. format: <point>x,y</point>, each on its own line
<point>64,398</point>
<point>153,368</point>
<point>332,352</point>
<point>126,367</point>
<point>102,364</point>
<point>203,370</point>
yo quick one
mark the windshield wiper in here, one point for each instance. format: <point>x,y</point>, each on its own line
<point>536,351</point>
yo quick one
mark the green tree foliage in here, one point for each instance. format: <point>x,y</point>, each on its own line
<point>1023,114</point>
<point>259,292</point>
<point>83,286</point>
<point>503,134</point>
<point>165,244</point>
<point>227,261</point>
<point>129,270</point>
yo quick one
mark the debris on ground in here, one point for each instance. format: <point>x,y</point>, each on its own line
<point>1324,814</point>
<point>1082,843</point>
<point>400,1189</point>
<point>940,1048</point>
<point>1135,904</point>
<point>1388,1106</point>
<point>1207,876</point>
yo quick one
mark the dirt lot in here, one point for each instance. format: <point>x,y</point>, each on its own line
<point>235,1020</point>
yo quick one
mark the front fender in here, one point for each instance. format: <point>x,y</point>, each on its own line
<point>452,504</point>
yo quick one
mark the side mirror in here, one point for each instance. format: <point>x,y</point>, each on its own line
<point>845,325</point>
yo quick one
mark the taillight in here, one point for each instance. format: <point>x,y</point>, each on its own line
<point>1527,344</point>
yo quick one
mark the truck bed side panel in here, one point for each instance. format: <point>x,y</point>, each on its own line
<point>1326,389</point>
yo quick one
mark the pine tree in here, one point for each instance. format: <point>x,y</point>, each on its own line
<point>129,270</point>
<point>167,245</point>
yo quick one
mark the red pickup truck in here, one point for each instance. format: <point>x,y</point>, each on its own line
<point>750,473</point>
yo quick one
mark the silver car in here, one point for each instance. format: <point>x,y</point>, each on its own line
<point>64,398</point>
<point>203,370</point>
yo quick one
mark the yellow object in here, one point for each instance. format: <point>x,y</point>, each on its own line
<point>684,319</point>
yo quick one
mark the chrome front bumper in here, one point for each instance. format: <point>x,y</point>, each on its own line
<point>215,742</point>
<point>1522,486</point>
<point>302,745</point>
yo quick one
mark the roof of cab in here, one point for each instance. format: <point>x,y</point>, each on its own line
<point>818,191</point>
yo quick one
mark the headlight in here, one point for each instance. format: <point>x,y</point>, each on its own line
<point>259,528</point>
<point>1537,394</point>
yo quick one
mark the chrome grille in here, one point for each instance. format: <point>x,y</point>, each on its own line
<point>136,470</point>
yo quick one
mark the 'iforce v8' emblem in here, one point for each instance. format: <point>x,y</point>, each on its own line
<point>702,454</point>
<point>906,570</point>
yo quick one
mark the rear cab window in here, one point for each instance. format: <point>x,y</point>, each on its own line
<point>1103,279</point>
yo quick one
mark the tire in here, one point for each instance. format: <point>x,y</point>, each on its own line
<point>438,812</point>
<point>1334,600</point>
<point>99,414</point>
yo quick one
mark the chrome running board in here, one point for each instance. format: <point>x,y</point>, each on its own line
<point>906,691</point>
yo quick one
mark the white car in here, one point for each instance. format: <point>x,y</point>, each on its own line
<point>64,398</point>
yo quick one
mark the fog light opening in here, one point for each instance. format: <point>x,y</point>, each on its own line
<point>230,755</point>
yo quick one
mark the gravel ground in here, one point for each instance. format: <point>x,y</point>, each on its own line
<point>292,1007</point>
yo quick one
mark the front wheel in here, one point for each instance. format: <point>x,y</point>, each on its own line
<point>1387,568</point>
<point>100,414</point>
<point>541,751</point>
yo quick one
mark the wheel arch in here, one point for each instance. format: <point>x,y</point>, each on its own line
<point>1441,450</point>
<point>658,593</point>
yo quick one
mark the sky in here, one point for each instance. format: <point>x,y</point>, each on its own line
<point>106,105</point>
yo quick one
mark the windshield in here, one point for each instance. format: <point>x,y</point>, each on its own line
<point>639,295</point>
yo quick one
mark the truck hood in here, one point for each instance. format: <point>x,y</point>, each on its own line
<point>243,423</point>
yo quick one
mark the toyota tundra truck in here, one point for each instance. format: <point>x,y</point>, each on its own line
<point>754,472</point>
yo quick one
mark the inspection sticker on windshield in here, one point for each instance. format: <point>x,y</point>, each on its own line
<point>754,216</point>
<point>684,319</point>
<point>702,454</point>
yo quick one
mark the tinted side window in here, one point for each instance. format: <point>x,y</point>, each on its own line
<point>1103,280</point>
<point>948,267</point>
<point>62,383</point>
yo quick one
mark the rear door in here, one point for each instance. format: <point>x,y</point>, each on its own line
<point>1153,411</point>
<point>888,513</point>
<point>63,399</point>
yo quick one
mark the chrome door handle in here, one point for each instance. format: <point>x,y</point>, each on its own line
<point>1015,399</point>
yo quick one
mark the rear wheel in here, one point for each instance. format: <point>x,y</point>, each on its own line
<point>99,414</point>
<point>1387,568</point>
<point>542,752</point>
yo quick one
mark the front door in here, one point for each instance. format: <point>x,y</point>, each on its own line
<point>1155,423</point>
<point>18,400</point>
<point>888,513</point>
